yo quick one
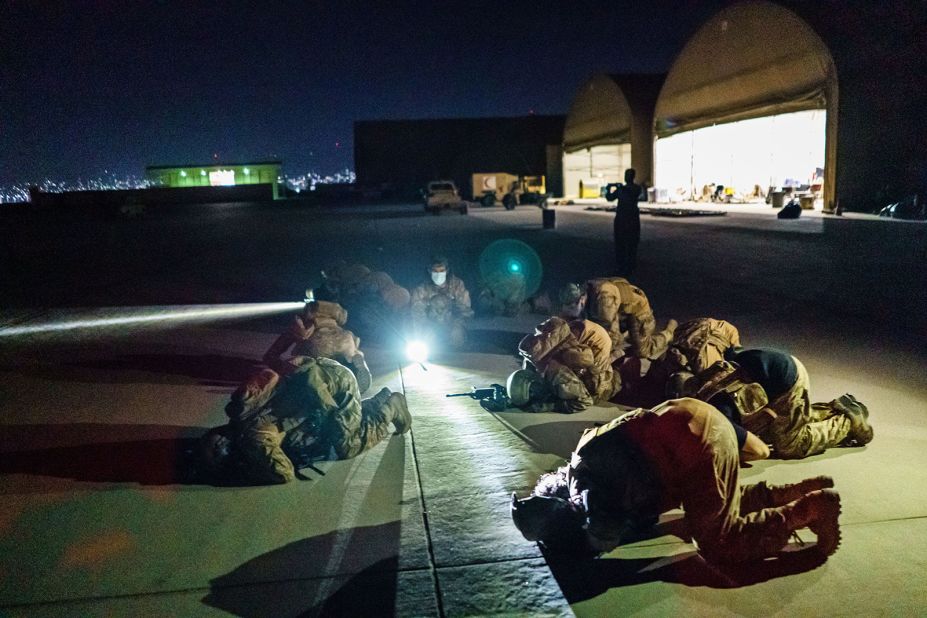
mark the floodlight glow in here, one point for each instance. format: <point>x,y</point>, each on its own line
<point>158,316</point>
<point>222,178</point>
<point>202,172</point>
<point>183,173</point>
<point>417,351</point>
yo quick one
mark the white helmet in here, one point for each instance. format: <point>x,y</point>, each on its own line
<point>518,386</point>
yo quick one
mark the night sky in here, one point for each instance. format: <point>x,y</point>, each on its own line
<point>115,85</point>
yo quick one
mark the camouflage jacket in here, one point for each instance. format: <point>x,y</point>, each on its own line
<point>700,343</point>
<point>441,303</point>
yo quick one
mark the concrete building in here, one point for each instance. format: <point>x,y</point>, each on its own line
<point>215,175</point>
<point>401,156</point>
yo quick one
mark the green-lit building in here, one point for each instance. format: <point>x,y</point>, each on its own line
<point>215,175</point>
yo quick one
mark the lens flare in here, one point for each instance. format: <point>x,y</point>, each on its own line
<point>511,265</point>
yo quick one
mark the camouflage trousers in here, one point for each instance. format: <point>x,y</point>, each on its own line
<point>372,427</point>
<point>728,522</point>
<point>565,391</point>
<point>645,341</point>
<point>641,336</point>
<point>571,393</point>
<point>269,446</point>
<point>799,428</point>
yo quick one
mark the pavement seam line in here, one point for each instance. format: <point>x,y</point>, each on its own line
<point>207,589</point>
<point>433,567</point>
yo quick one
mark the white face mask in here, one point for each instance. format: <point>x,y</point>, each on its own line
<point>439,278</point>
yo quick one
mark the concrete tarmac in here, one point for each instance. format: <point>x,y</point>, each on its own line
<point>100,515</point>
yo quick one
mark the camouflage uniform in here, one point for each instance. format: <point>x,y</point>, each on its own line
<point>445,306</point>
<point>319,334</point>
<point>683,452</point>
<point>371,296</point>
<point>794,426</point>
<point>697,344</point>
<point>503,293</point>
<point>700,343</point>
<point>315,412</point>
<point>574,360</point>
<point>622,308</point>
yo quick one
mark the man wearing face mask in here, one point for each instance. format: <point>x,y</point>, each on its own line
<point>441,303</point>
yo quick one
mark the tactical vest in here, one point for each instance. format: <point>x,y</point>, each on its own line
<point>724,377</point>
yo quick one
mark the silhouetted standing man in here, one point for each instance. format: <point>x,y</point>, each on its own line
<point>627,223</point>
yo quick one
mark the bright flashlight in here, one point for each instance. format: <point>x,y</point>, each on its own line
<point>514,267</point>
<point>417,351</point>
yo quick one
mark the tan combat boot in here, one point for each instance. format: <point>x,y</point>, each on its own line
<point>780,495</point>
<point>818,511</point>
<point>398,412</point>
<point>860,430</point>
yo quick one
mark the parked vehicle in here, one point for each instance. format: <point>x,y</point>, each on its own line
<point>508,189</point>
<point>443,195</point>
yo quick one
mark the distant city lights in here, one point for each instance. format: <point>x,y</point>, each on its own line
<point>19,191</point>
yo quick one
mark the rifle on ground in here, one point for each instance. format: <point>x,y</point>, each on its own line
<point>493,397</point>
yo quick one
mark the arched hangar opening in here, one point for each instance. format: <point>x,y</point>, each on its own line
<point>750,106</point>
<point>608,129</point>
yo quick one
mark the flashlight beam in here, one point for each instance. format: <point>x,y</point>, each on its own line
<point>169,316</point>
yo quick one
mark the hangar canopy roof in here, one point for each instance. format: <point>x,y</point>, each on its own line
<point>750,60</point>
<point>600,114</point>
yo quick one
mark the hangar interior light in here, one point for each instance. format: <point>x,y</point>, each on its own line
<point>786,150</point>
<point>586,171</point>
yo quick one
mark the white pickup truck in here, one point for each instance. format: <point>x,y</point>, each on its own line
<point>443,195</point>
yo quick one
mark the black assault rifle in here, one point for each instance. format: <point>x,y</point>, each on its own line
<point>493,397</point>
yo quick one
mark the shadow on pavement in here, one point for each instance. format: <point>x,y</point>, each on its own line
<point>292,581</point>
<point>144,454</point>
<point>346,572</point>
<point>559,438</point>
<point>585,579</point>
<point>488,341</point>
<point>206,369</point>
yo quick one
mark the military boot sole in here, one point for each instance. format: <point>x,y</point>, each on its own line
<point>861,432</point>
<point>861,436</point>
<point>826,525</point>
<point>402,420</point>
<point>783,494</point>
<point>362,373</point>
